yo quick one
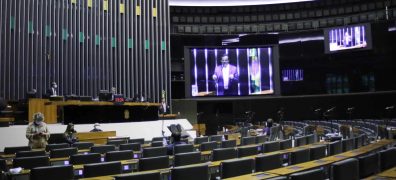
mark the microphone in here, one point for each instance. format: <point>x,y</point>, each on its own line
<point>331,109</point>
<point>350,108</point>
<point>390,107</point>
<point>317,110</point>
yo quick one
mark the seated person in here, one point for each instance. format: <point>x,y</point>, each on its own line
<point>70,134</point>
<point>175,138</point>
<point>267,129</point>
<point>96,129</point>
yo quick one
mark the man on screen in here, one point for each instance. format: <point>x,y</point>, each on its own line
<point>226,77</point>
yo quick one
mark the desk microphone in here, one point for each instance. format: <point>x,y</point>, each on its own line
<point>390,107</point>
<point>331,109</point>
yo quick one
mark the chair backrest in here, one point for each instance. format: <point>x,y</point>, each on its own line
<point>200,140</point>
<point>85,158</point>
<point>368,165</point>
<point>217,138</point>
<point>247,151</point>
<point>102,169</point>
<point>157,139</point>
<point>31,162</point>
<point>315,174</point>
<point>117,142</point>
<point>310,139</point>
<point>248,140</point>
<point>348,144</point>
<point>286,144</point>
<point>224,153</point>
<point>182,159</point>
<point>387,158</point>
<point>140,176</point>
<point>13,150</point>
<point>300,141</point>
<point>151,163</point>
<point>334,148</point>
<point>345,170</point>
<point>228,143</point>
<point>64,152</point>
<point>51,147</point>
<point>300,156</point>
<point>157,143</point>
<point>154,151</point>
<point>208,146</point>
<point>261,139</point>
<point>358,141</point>
<point>200,172</point>
<point>102,149</point>
<point>279,178</point>
<point>3,165</point>
<point>83,145</point>
<point>318,152</point>
<point>268,162</point>
<point>271,146</point>
<point>119,155</point>
<point>138,140</point>
<point>63,172</point>
<point>236,167</point>
<point>30,153</point>
<point>131,146</point>
<point>183,148</point>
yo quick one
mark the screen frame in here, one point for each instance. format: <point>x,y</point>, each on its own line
<point>275,70</point>
<point>368,39</point>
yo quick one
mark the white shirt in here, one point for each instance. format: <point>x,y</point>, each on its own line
<point>54,92</point>
<point>226,74</point>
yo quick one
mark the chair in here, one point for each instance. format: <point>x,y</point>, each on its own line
<point>228,143</point>
<point>286,144</point>
<point>116,142</point>
<point>387,158</point>
<point>268,162</point>
<point>13,150</point>
<point>31,162</point>
<point>51,147</point>
<point>310,139</point>
<point>261,139</point>
<point>335,148</point>
<point>345,170</point>
<point>63,172</point>
<point>348,144</point>
<point>140,176</point>
<point>300,156</point>
<point>248,140</point>
<point>300,141</point>
<point>138,140</point>
<point>200,140</point>
<point>200,172</point>
<point>182,159</point>
<point>368,165</point>
<point>83,145</point>
<point>157,139</point>
<point>64,152</point>
<point>208,146</point>
<point>102,169</point>
<point>154,151</point>
<point>358,141</point>
<point>30,153</point>
<point>102,149</point>
<point>151,163</point>
<point>236,167</point>
<point>224,153</point>
<point>131,146</point>
<point>3,165</point>
<point>119,155</point>
<point>217,138</point>
<point>183,148</point>
<point>318,152</point>
<point>157,143</point>
<point>85,158</point>
<point>315,174</point>
<point>271,146</point>
<point>247,151</point>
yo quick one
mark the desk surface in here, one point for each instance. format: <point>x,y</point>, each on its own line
<point>99,103</point>
<point>387,174</point>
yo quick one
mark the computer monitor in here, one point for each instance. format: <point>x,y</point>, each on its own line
<point>31,94</point>
<point>105,95</point>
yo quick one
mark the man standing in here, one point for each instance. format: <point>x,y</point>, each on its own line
<point>52,91</point>
<point>37,132</point>
<point>226,77</point>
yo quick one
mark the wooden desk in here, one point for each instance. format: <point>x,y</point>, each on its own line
<point>254,176</point>
<point>95,137</point>
<point>387,174</point>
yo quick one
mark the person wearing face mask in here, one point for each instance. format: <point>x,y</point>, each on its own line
<point>37,132</point>
<point>53,90</point>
